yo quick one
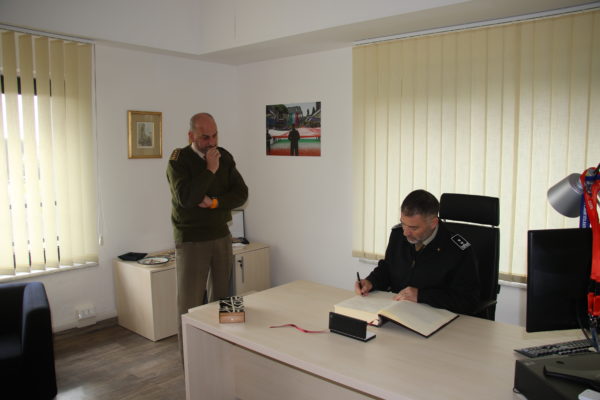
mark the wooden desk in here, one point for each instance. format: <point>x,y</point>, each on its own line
<point>471,358</point>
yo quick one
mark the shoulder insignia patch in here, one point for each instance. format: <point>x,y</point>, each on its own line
<point>460,241</point>
<point>175,155</point>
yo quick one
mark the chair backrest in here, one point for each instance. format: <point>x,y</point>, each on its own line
<point>11,298</point>
<point>461,212</point>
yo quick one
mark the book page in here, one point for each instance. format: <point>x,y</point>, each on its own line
<point>372,303</point>
<point>418,316</point>
<point>365,307</point>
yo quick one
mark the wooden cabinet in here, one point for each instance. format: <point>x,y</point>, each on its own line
<point>146,300</point>
<point>251,270</point>
<point>146,295</point>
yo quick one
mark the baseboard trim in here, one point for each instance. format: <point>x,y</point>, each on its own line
<point>74,330</point>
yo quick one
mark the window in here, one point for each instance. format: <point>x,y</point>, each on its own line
<point>505,111</point>
<point>47,184</point>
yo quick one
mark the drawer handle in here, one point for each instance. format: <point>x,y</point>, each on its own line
<point>241,262</point>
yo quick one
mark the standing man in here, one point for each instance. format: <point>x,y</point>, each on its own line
<point>294,137</point>
<point>424,262</point>
<point>269,137</point>
<point>205,187</point>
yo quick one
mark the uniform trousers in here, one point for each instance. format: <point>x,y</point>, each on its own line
<point>193,262</point>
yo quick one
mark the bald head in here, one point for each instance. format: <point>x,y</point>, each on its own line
<point>200,119</point>
<point>203,132</point>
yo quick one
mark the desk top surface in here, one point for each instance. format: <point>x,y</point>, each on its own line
<point>469,358</point>
<point>170,253</point>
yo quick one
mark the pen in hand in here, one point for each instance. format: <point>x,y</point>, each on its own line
<point>359,284</point>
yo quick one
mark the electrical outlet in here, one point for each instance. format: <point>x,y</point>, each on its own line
<point>86,315</point>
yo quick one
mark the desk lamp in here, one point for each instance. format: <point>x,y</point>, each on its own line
<point>577,195</point>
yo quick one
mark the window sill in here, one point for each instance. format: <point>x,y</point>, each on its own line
<point>518,285</point>
<point>36,273</point>
<point>368,261</point>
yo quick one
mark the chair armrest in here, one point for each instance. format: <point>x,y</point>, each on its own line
<point>37,339</point>
<point>36,322</point>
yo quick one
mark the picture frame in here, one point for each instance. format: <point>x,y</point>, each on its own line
<point>144,134</point>
<point>293,129</point>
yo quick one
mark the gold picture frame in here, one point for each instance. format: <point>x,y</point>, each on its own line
<point>145,134</point>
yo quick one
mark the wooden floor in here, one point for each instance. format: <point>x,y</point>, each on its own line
<point>106,361</point>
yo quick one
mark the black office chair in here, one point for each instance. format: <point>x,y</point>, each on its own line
<point>26,347</point>
<point>461,212</point>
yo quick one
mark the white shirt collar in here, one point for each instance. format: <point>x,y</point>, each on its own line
<point>202,155</point>
<point>432,236</point>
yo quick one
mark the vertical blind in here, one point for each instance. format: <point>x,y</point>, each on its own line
<point>503,111</point>
<point>47,184</point>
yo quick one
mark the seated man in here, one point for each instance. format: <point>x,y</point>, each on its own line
<point>424,262</point>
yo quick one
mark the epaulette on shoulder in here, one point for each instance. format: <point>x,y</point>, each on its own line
<point>175,155</point>
<point>460,241</point>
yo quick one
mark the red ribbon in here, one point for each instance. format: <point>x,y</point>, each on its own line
<point>297,327</point>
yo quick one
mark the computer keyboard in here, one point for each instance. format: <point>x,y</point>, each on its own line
<point>555,349</point>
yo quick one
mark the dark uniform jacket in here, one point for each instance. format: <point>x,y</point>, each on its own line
<point>190,181</point>
<point>444,271</point>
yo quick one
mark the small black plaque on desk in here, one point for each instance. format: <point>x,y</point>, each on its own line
<point>348,326</point>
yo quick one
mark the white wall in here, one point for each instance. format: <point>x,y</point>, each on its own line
<point>233,23</point>
<point>302,206</point>
<point>135,199</point>
<point>512,302</point>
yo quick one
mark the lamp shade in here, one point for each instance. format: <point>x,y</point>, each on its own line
<point>565,196</point>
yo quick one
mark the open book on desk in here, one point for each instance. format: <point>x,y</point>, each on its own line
<point>379,306</point>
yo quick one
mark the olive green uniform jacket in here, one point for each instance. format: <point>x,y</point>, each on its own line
<point>190,181</point>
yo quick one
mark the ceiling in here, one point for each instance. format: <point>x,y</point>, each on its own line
<point>470,12</point>
<point>237,32</point>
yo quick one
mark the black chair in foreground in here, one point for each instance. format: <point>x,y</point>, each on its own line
<point>461,212</point>
<point>26,343</point>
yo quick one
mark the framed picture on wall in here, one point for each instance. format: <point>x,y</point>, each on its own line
<point>294,129</point>
<point>144,134</point>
